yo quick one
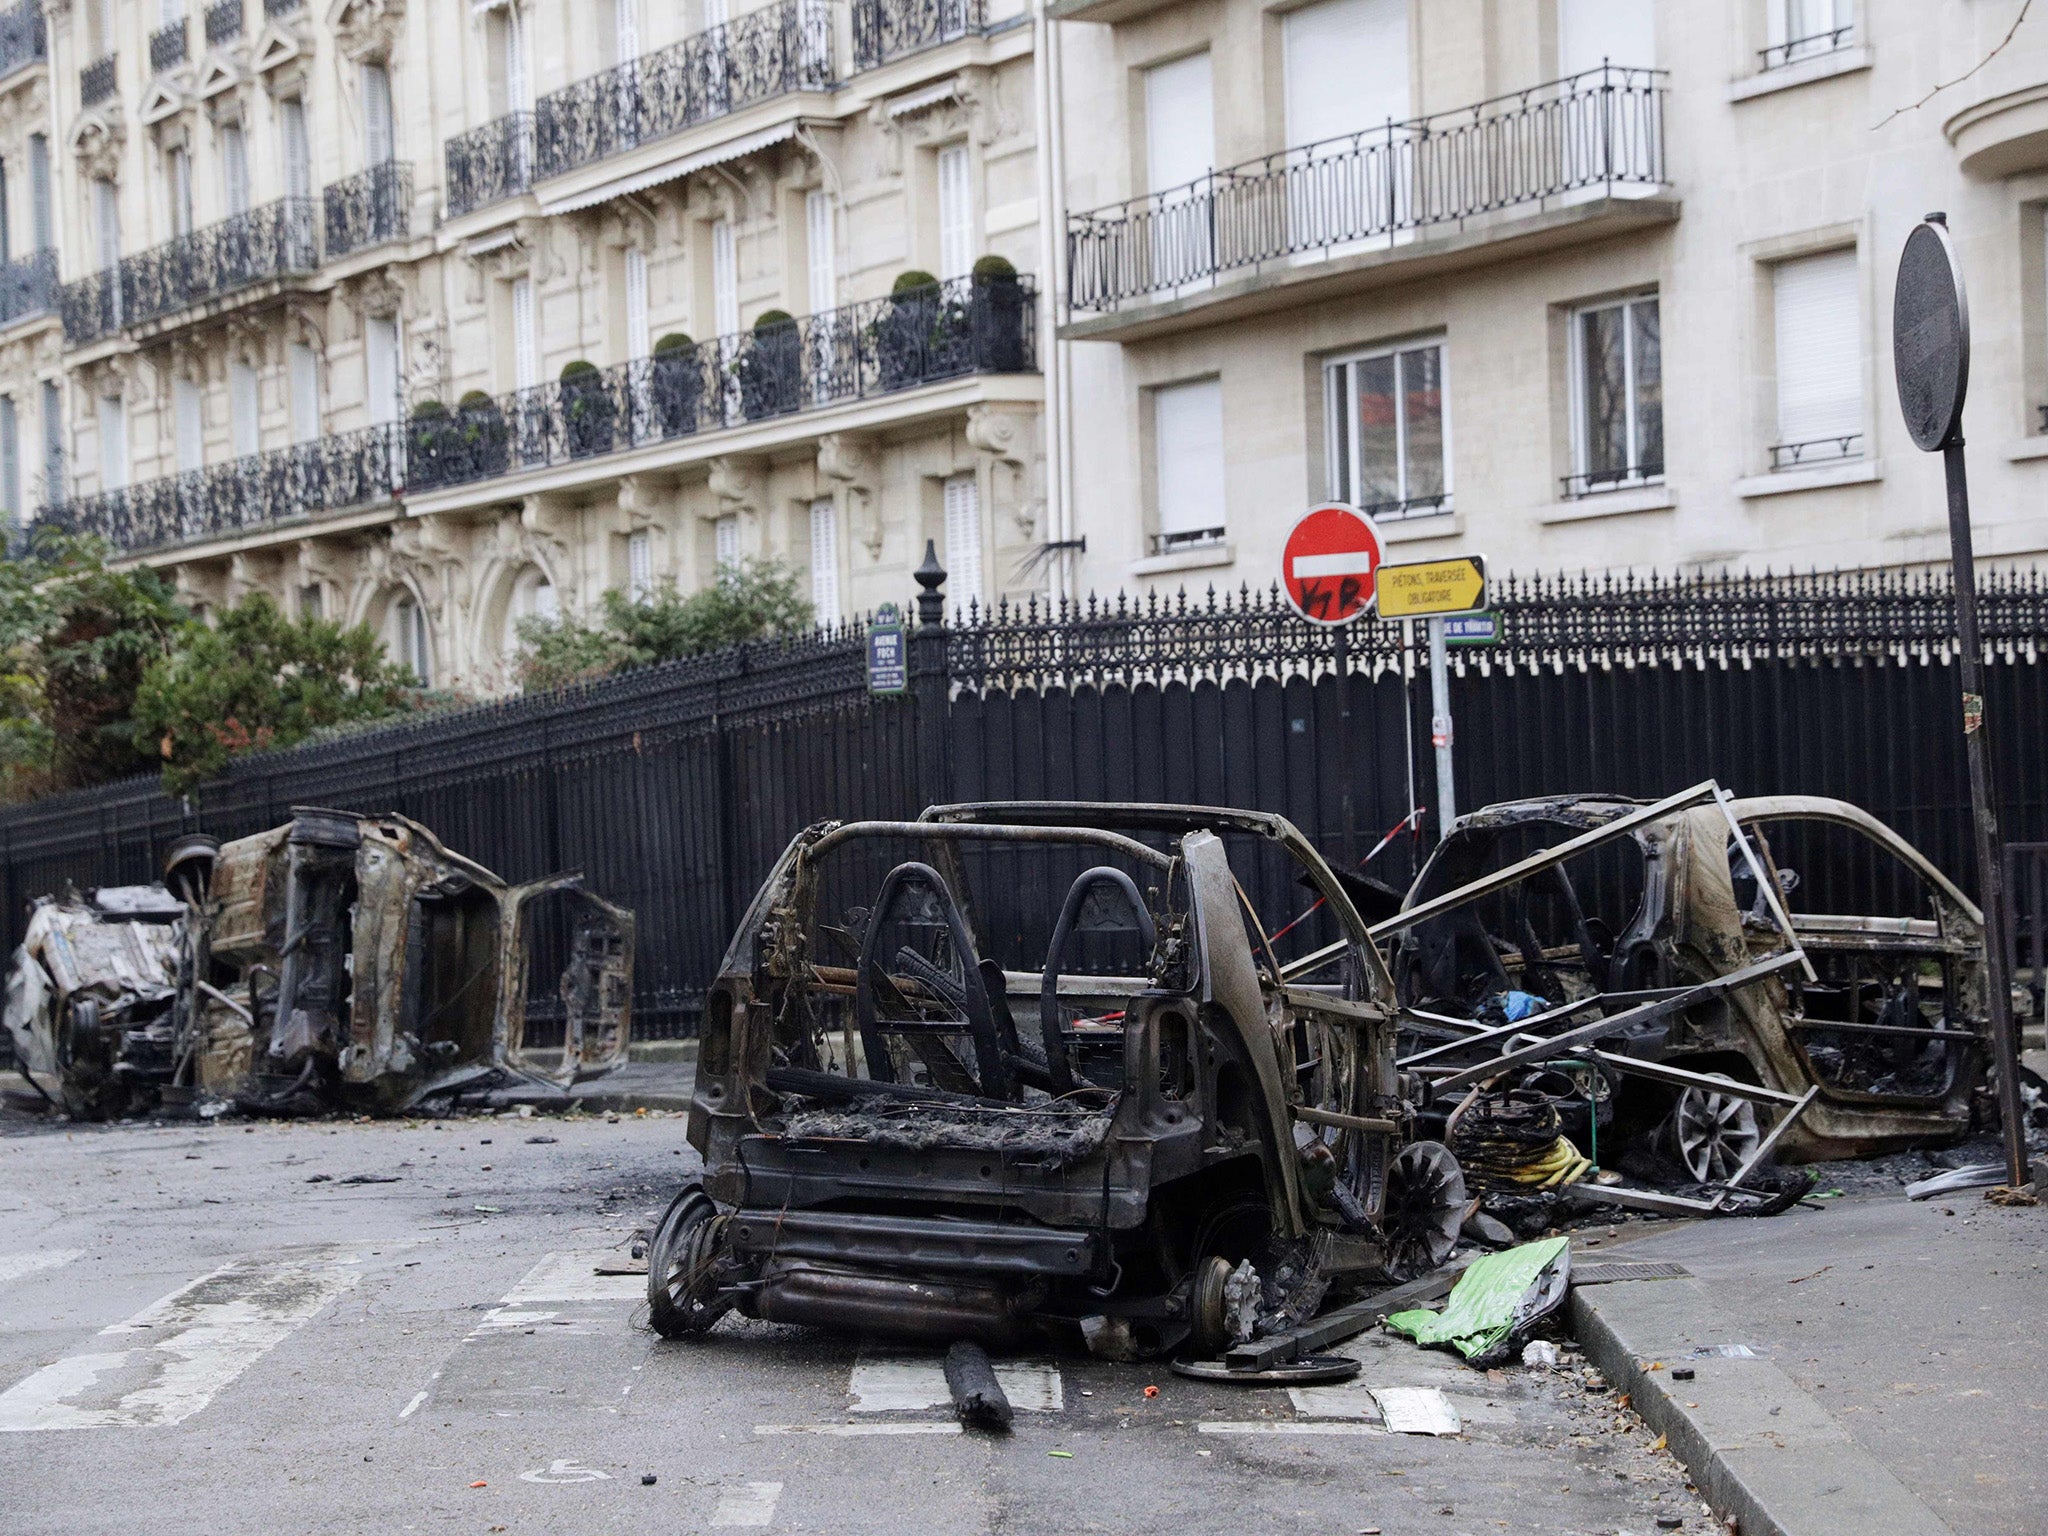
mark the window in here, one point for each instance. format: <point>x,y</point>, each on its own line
<point>507,60</point>
<point>53,442</point>
<point>1187,457</point>
<point>963,540</point>
<point>533,597</point>
<point>1819,328</point>
<point>10,461</point>
<point>1799,29</point>
<point>178,175</point>
<point>244,409</point>
<point>639,565</point>
<point>234,168</point>
<point>637,339</point>
<point>956,214</point>
<point>380,362</point>
<point>825,561</point>
<point>190,423</point>
<point>525,343</point>
<point>818,237</point>
<point>1389,444</point>
<point>1592,34</point>
<point>725,284</point>
<point>1180,152</point>
<point>39,191</point>
<point>725,542</point>
<point>380,142</point>
<point>298,154</point>
<point>311,601</point>
<point>113,443</point>
<point>625,30</point>
<point>405,638</point>
<point>106,220</point>
<point>305,381</point>
<point>1617,396</point>
<point>6,222</point>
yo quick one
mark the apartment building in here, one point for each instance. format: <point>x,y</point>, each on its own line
<point>1577,284</point>
<point>434,314</point>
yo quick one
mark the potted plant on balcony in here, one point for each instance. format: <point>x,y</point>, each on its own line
<point>482,441</point>
<point>771,366</point>
<point>589,414</point>
<point>904,330</point>
<point>998,306</point>
<point>677,373</point>
<point>427,433</point>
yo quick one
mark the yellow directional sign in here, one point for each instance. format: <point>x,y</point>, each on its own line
<point>1428,589</point>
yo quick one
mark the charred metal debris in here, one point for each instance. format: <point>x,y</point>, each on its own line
<point>336,962</point>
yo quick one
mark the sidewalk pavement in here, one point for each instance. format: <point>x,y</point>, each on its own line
<point>640,1084</point>
<point>1901,1380</point>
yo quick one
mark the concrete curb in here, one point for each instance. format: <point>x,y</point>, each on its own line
<point>1759,1449</point>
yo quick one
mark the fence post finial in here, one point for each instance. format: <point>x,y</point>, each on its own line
<point>931,576</point>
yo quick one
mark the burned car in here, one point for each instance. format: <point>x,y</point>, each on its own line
<point>344,961</point>
<point>1718,980</point>
<point>1029,1068</point>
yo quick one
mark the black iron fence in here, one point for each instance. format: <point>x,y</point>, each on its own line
<point>918,337</point>
<point>489,163</point>
<point>24,36</point>
<point>766,53</point>
<point>223,22</point>
<point>274,241</point>
<point>258,490</point>
<point>28,286</point>
<point>1603,129</point>
<point>168,46</point>
<point>674,788</point>
<point>367,209</point>
<point>277,8</point>
<point>894,29</point>
<point>96,82</point>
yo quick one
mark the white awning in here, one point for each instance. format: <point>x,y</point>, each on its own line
<point>670,170</point>
<point>917,101</point>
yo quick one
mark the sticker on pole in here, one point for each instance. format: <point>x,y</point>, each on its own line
<point>1329,564</point>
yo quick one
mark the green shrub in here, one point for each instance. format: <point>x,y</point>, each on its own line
<point>906,281</point>
<point>476,400</point>
<point>994,269</point>
<point>674,341</point>
<point>577,370</point>
<point>773,317</point>
<point>427,410</point>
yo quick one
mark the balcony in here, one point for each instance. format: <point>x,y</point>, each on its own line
<point>96,82</point>
<point>274,241</point>
<point>767,53</point>
<point>244,495</point>
<point>24,37</point>
<point>924,336</point>
<point>169,46</point>
<point>884,30</point>
<point>368,209</point>
<point>275,9</point>
<point>223,22</point>
<point>1574,159</point>
<point>28,286</point>
<point>489,164</point>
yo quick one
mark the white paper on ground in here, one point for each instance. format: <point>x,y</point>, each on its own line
<point>1417,1411</point>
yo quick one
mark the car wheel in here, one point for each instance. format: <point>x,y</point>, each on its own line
<point>682,1285</point>
<point>1209,1308</point>
<point>1712,1133</point>
<point>1425,1207</point>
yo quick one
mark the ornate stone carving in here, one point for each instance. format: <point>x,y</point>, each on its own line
<point>366,29</point>
<point>1003,435</point>
<point>741,485</point>
<point>848,458</point>
<point>97,143</point>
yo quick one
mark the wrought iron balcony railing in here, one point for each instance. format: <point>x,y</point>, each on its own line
<point>946,331</point>
<point>96,81</point>
<point>169,47</point>
<point>1619,478</point>
<point>369,208</point>
<point>894,29</point>
<point>24,36</point>
<point>275,8</point>
<point>1600,129</point>
<point>490,163</point>
<point>28,286</point>
<point>1778,55</point>
<point>223,22</point>
<point>766,53</point>
<point>274,241</point>
<point>1819,450</point>
<point>327,474</point>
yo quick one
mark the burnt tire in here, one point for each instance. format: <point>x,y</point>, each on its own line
<point>1425,1207</point>
<point>682,1261</point>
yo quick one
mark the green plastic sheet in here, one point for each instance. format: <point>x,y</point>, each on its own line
<point>1496,1295</point>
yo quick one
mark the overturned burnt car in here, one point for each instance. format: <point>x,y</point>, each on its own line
<point>1020,1068</point>
<point>338,961</point>
<point>1702,983</point>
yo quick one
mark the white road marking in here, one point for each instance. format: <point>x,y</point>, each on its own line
<point>1417,1411</point>
<point>16,1266</point>
<point>927,1428</point>
<point>1285,1427</point>
<point>412,1407</point>
<point>751,1505</point>
<point>563,1470</point>
<point>199,1339</point>
<point>907,1384</point>
<point>574,1277</point>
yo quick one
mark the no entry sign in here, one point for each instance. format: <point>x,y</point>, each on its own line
<point>1329,563</point>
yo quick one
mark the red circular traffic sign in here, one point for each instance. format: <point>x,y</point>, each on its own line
<point>1330,563</point>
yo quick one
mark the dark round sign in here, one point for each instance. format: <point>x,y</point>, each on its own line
<point>1931,336</point>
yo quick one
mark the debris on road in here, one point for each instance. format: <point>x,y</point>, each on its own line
<point>1969,1176</point>
<point>977,1396</point>
<point>1499,1298</point>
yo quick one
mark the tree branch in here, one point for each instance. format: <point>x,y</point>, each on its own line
<point>2025,7</point>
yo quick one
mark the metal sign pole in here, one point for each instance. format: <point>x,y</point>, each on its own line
<point>1440,730</point>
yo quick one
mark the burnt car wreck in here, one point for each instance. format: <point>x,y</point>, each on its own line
<point>338,961</point>
<point>1676,983</point>
<point>929,1105</point>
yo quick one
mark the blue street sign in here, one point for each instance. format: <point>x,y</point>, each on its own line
<point>1471,629</point>
<point>888,670</point>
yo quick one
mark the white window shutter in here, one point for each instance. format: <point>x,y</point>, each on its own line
<point>725,284</point>
<point>639,565</point>
<point>818,239</point>
<point>637,339</point>
<point>1622,33</point>
<point>298,152</point>
<point>1187,446</point>
<point>525,344</point>
<point>1820,348</point>
<point>245,410</point>
<point>956,214</point>
<point>963,540</point>
<point>380,337</point>
<point>190,424</point>
<point>515,60</point>
<point>626,29</point>
<point>106,209</point>
<point>380,142</point>
<point>179,164</point>
<point>716,13</point>
<point>1180,123</point>
<point>825,561</point>
<point>42,212</point>
<point>725,541</point>
<point>113,443</point>
<point>1346,68</point>
<point>234,157</point>
<point>10,459</point>
<point>305,381</point>
<point>53,441</point>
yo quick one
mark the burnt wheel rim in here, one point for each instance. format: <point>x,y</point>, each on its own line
<point>1424,1209</point>
<point>1715,1133</point>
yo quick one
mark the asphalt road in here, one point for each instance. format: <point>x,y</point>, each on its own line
<point>209,1329</point>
